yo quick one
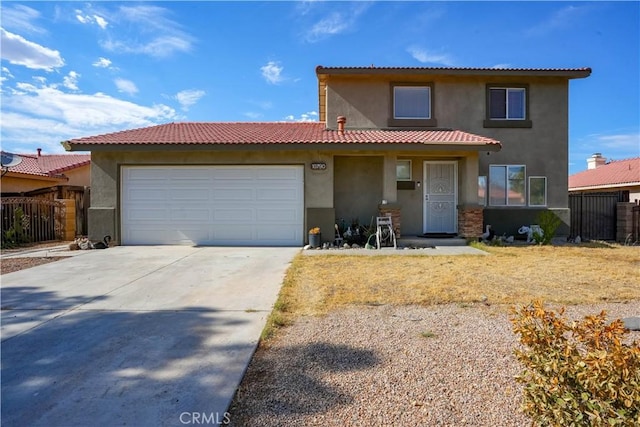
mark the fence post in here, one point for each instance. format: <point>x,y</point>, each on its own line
<point>624,225</point>
<point>69,222</point>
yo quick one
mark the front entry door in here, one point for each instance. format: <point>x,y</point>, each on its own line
<point>440,197</point>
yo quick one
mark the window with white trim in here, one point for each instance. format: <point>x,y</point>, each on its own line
<point>507,185</point>
<point>412,102</point>
<point>537,191</point>
<point>403,170</point>
<point>507,103</point>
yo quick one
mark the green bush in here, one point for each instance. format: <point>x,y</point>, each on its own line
<point>579,373</point>
<point>549,223</point>
<point>15,235</point>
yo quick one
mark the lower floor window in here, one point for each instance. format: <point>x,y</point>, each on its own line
<point>507,185</point>
<point>537,191</point>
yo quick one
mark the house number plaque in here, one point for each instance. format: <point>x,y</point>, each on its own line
<point>318,166</point>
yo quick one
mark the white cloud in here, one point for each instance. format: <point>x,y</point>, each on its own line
<point>500,66</point>
<point>272,72</point>
<point>188,97</point>
<point>91,19</point>
<point>629,142</point>
<point>311,116</point>
<point>19,18</point>
<point>253,115</point>
<point>564,17</point>
<point>152,33</point>
<point>102,23</point>
<point>336,22</point>
<point>427,57</point>
<point>19,51</point>
<point>70,81</point>
<point>160,47</point>
<point>45,115</point>
<point>102,63</point>
<point>126,86</point>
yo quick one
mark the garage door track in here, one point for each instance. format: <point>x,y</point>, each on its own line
<point>134,335</point>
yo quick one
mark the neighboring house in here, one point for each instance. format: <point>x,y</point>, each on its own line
<point>442,150</point>
<point>602,176</point>
<point>38,171</point>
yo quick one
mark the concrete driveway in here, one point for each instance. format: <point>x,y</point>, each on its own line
<point>134,335</point>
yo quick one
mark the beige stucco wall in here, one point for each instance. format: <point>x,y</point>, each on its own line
<point>14,183</point>
<point>104,213</point>
<point>459,102</point>
<point>79,176</point>
<point>22,184</point>
<point>323,196</point>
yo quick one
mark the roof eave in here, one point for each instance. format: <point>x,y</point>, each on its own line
<point>577,73</point>
<point>492,146</point>
<point>605,186</point>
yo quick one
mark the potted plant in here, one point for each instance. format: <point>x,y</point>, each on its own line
<point>314,237</point>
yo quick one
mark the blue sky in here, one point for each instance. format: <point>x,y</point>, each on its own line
<point>72,69</point>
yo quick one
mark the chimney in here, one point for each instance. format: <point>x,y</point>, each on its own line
<point>596,161</point>
<point>39,152</point>
<point>341,122</point>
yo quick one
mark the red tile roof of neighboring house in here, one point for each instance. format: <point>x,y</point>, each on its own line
<point>49,164</point>
<point>616,173</point>
<point>275,133</point>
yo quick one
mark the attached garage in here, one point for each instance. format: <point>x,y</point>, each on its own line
<point>212,205</point>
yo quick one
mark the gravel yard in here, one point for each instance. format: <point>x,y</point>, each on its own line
<point>441,365</point>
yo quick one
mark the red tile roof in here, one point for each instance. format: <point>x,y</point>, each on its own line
<point>614,174</point>
<point>49,164</point>
<point>207,133</point>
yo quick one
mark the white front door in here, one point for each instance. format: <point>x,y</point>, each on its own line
<point>440,197</point>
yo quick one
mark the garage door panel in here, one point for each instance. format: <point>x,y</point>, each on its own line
<point>234,194</point>
<point>195,174</point>
<point>213,205</point>
<point>272,216</point>
<point>282,173</point>
<point>277,232</point>
<point>198,215</point>
<point>147,194</point>
<point>269,194</point>
<point>186,194</point>
<point>149,214</point>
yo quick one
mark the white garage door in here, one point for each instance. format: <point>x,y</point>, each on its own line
<point>212,205</point>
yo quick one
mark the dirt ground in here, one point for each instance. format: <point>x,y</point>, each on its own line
<point>9,265</point>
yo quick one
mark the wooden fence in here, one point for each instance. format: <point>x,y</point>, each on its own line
<point>29,219</point>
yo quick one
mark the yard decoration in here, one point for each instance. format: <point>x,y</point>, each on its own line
<point>579,373</point>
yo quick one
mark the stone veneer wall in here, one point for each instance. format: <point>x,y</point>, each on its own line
<point>470,221</point>
<point>393,210</point>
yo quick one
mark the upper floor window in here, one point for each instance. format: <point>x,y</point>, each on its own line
<point>507,103</point>
<point>507,106</point>
<point>412,105</point>
<point>412,102</point>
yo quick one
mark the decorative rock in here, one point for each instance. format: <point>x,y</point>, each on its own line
<point>632,323</point>
<point>346,246</point>
<point>355,246</point>
<point>306,247</point>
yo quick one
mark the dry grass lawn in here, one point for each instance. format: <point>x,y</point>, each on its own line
<point>509,275</point>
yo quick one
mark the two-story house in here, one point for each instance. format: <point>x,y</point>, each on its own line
<point>442,150</point>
